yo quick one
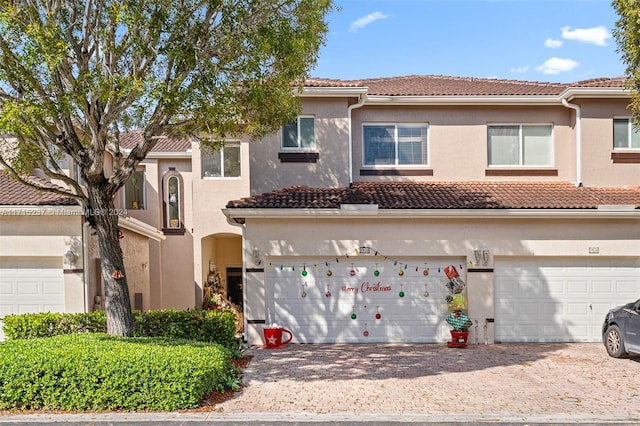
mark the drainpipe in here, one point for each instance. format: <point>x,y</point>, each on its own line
<point>360,103</point>
<point>85,264</point>
<point>578,140</point>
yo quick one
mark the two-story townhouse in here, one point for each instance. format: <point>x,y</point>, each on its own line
<point>531,190</point>
<point>354,210</point>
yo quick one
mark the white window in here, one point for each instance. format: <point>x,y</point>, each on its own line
<point>299,134</point>
<point>395,144</point>
<point>625,136</point>
<point>520,145</point>
<point>134,193</point>
<point>223,162</point>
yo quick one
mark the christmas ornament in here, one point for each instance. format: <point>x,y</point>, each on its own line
<point>352,272</point>
<point>426,293</point>
<point>401,294</point>
<point>378,316</point>
<point>365,333</point>
<point>376,272</point>
<point>328,293</point>
<point>304,273</point>
<point>353,315</point>
<point>401,272</point>
<point>304,293</point>
<point>426,270</point>
<point>329,273</point>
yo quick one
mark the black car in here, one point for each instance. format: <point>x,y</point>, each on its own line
<point>621,330</point>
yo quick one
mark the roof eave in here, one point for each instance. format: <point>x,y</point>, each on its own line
<point>596,92</point>
<point>465,100</point>
<point>332,92</point>
<point>240,215</point>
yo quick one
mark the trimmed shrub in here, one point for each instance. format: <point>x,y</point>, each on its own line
<point>100,372</point>
<point>205,326</point>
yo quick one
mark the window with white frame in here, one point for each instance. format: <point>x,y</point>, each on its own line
<point>520,145</point>
<point>395,144</point>
<point>134,193</point>
<point>223,162</point>
<point>299,134</point>
<point>625,135</point>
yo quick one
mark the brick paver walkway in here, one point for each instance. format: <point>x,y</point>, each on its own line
<point>571,381</point>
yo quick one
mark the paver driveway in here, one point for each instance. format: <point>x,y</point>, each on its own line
<point>572,382</point>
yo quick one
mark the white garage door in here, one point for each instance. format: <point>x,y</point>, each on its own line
<point>30,285</point>
<point>318,307</point>
<point>560,300</point>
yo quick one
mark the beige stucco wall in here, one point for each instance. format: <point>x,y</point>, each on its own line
<point>597,145</point>
<point>458,137</point>
<point>332,141</point>
<point>39,232</point>
<point>436,237</point>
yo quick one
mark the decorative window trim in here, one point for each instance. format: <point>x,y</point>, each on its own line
<point>298,157</point>
<point>396,125</point>
<point>166,229</point>
<point>521,172</point>
<point>396,172</point>
<point>625,157</point>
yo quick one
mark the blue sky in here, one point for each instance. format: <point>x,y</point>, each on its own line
<point>542,40</point>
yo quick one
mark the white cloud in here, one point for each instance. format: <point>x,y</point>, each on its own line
<point>553,44</point>
<point>557,65</point>
<point>366,20</point>
<point>519,70</point>
<point>596,35</point>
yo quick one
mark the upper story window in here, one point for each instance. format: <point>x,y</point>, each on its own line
<point>395,144</point>
<point>299,134</point>
<point>221,163</point>
<point>520,145</point>
<point>625,136</point>
<point>134,191</point>
<point>173,202</point>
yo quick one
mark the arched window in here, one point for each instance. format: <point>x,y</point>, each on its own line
<point>173,202</point>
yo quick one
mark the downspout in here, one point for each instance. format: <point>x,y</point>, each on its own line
<point>361,101</point>
<point>578,140</point>
<point>85,265</point>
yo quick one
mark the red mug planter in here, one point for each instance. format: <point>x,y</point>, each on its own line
<point>273,336</point>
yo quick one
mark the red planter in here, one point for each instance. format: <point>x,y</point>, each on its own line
<point>458,339</point>
<point>273,337</point>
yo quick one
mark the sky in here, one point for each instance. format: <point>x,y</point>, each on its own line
<point>535,40</point>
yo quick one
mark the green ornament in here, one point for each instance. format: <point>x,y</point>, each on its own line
<point>401,294</point>
<point>304,273</point>
<point>353,316</point>
<point>376,272</point>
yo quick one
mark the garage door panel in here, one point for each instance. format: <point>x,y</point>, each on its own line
<point>318,318</point>
<point>31,285</point>
<point>573,295</point>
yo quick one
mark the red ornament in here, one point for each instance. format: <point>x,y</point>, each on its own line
<point>378,316</point>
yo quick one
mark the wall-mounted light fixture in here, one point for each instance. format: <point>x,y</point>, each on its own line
<point>482,256</point>
<point>255,254</point>
<point>70,257</point>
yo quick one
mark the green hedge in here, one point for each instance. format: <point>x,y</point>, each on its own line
<point>99,372</point>
<point>206,326</point>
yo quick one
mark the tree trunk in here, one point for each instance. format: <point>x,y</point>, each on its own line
<point>104,219</point>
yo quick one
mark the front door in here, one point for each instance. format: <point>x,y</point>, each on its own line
<point>234,286</point>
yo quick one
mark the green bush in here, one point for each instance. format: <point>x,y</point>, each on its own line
<point>99,372</point>
<point>206,326</point>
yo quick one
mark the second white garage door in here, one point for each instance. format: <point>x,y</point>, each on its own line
<point>318,307</point>
<point>560,299</point>
<point>30,285</point>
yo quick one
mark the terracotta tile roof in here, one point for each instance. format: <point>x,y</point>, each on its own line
<point>170,144</point>
<point>13,193</point>
<point>446,195</point>
<point>437,85</point>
